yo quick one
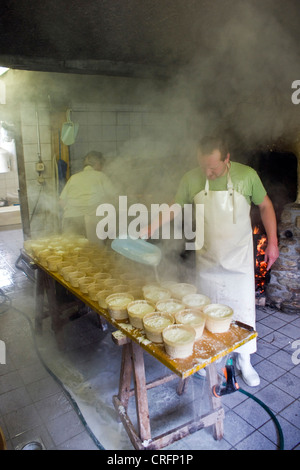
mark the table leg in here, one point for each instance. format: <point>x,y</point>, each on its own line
<point>56,319</point>
<point>39,301</point>
<point>125,376</point>
<point>212,377</point>
<point>140,392</point>
<point>133,364</point>
<point>182,385</point>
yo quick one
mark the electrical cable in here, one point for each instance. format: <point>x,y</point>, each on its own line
<point>37,201</point>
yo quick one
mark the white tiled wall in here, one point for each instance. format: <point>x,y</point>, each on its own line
<point>115,130</point>
<point>41,198</point>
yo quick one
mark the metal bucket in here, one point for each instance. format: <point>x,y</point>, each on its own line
<point>34,445</point>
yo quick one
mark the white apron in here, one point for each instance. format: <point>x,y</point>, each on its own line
<point>225,264</point>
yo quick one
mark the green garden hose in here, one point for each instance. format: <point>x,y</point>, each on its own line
<point>267,409</point>
<point>232,386</point>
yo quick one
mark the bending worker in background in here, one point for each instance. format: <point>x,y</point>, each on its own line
<point>225,263</point>
<point>82,194</point>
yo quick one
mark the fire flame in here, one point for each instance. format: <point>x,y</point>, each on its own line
<point>260,264</point>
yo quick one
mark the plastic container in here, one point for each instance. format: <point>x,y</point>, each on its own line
<point>61,265</point>
<point>84,283</point>
<point>73,258</point>
<point>62,253</point>
<point>98,259</point>
<point>137,310</point>
<point>101,276</point>
<point>193,318</point>
<point>179,341</point>
<point>167,284</point>
<point>117,305</point>
<point>67,271</point>
<point>154,324</point>
<point>27,245</point>
<point>120,288</point>
<point>154,293</point>
<point>217,317</point>
<point>90,270</point>
<point>180,289</point>
<point>89,252</point>
<point>55,246</point>
<point>171,306</point>
<point>53,262</point>
<point>81,241</point>
<point>36,247</point>
<point>75,277</point>
<point>136,293</point>
<point>196,300</point>
<point>129,277</point>
<point>93,290</point>
<point>101,298</point>
<point>134,284</point>
<point>111,283</point>
<point>43,254</point>
<point>83,265</point>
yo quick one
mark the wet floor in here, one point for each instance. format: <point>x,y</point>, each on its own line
<point>34,406</point>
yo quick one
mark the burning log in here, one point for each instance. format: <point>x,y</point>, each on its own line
<point>261,273</point>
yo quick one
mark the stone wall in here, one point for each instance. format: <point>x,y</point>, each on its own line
<point>283,291</point>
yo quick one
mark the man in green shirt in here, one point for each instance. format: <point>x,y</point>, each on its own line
<point>245,180</point>
<point>225,264</point>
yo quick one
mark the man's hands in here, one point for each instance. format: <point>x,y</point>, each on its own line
<point>148,231</point>
<point>271,254</point>
<point>268,218</point>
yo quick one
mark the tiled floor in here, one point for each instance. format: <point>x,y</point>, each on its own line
<point>33,406</point>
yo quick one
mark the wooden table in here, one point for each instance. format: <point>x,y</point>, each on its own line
<point>207,350</point>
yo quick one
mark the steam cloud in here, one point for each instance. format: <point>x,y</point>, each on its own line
<point>237,67</point>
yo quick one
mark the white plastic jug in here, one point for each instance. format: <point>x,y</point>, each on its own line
<point>69,130</point>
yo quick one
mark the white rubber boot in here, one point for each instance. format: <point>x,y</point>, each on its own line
<point>249,374</point>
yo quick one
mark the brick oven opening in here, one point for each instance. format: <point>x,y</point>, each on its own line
<point>278,171</point>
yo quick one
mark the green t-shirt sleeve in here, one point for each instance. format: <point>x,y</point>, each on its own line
<point>258,189</point>
<point>182,196</point>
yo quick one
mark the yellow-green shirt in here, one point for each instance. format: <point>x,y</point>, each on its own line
<point>245,181</point>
